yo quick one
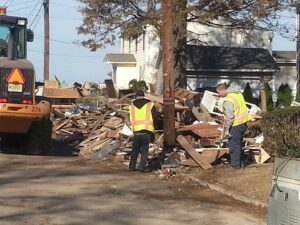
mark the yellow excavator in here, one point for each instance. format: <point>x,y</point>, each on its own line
<point>23,117</point>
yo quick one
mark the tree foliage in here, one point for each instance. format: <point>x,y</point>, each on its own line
<point>104,21</point>
<point>107,20</point>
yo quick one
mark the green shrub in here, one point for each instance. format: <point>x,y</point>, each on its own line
<point>248,95</point>
<point>298,94</point>
<point>135,85</point>
<point>269,100</point>
<point>281,129</point>
<point>284,96</point>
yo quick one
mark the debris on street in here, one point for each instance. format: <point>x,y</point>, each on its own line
<point>98,127</point>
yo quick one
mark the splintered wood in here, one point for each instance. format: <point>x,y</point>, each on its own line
<point>189,148</point>
<point>100,130</point>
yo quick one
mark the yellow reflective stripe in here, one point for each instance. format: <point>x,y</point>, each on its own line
<point>140,119</point>
<point>240,109</point>
<point>235,102</point>
<point>241,117</point>
<point>148,111</point>
<point>132,114</point>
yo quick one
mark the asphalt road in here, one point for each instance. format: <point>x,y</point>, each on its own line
<point>40,190</point>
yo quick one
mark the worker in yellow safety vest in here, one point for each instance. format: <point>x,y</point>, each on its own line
<point>235,123</point>
<point>142,114</point>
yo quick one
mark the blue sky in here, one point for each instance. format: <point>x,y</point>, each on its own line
<point>71,62</point>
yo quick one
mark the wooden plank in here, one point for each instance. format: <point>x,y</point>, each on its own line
<point>89,139</point>
<point>209,155</point>
<point>159,99</point>
<point>94,144</point>
<point>182,94</point>
<point>105,149</point>
<point>62,106</point>
<point>113,122</point>
<point>112,134</point>
<point>195,155</point>
<point>204,130</point>
<point>57,112</point>
<point>199,126</point>
<point>262,157</point>
<point>61,125</point>
<point>66,131</point>
<point>201,116</point>
<point>102,117</point>
<point>212,155</point>
<point>189,162</point>
<point>51,84</point>
<point>208,133</point>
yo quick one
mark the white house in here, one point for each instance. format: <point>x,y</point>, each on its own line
<point>123,69</point>
<point>146,63</point>
<point>141,58</point>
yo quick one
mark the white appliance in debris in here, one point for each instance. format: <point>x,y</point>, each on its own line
<point>213,103</point>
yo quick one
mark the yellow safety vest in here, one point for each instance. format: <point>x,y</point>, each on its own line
<point>241,114</point>
<point>141,119</point>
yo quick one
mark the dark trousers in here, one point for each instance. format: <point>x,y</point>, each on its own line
<point>235,145</point>
<point>140,145</point>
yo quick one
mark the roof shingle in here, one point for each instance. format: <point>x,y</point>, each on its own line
<point>119,58</point>
<point>215,58</point>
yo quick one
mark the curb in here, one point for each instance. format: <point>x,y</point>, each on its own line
<point>228,193</point>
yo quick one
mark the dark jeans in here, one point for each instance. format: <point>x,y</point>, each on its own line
<point>235,145</point>
<point>140,145</point>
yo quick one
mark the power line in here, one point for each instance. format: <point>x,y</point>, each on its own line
<point>68,6</point>
<point>59,41</point>
<point>20,9</point>
<point>22,3</point>
<point>37,21</point>
<point>6,3</point>
<point>64,18</point>
<point>65,55</point>
<point>36,15</point>
<point>29,14</point>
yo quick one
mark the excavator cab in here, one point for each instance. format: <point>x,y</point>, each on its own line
<point>14,37</point>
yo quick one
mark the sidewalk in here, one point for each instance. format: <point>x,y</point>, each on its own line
<point>251,185</point>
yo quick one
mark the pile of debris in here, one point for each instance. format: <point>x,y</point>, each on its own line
<point>101,129</point>
<point>201,139</point>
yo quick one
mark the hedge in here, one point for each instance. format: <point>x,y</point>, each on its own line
<point>281,129</point>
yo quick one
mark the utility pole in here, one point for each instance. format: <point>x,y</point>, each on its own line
<point>298,41</point>
<point>168,73</point>
<point>46,39</point>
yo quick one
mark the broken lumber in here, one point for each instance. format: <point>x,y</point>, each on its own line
<point>192,152</point>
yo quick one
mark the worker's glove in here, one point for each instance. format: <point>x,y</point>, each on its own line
<point>226,134</point>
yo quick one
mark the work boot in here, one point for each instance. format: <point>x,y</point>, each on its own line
<point>236,167</point>
<point>132,169</point>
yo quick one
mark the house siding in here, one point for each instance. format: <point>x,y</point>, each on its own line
<point>286,75</point>
<point>124,74</point>
<point>213,36</point>
<point>146,54</point>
